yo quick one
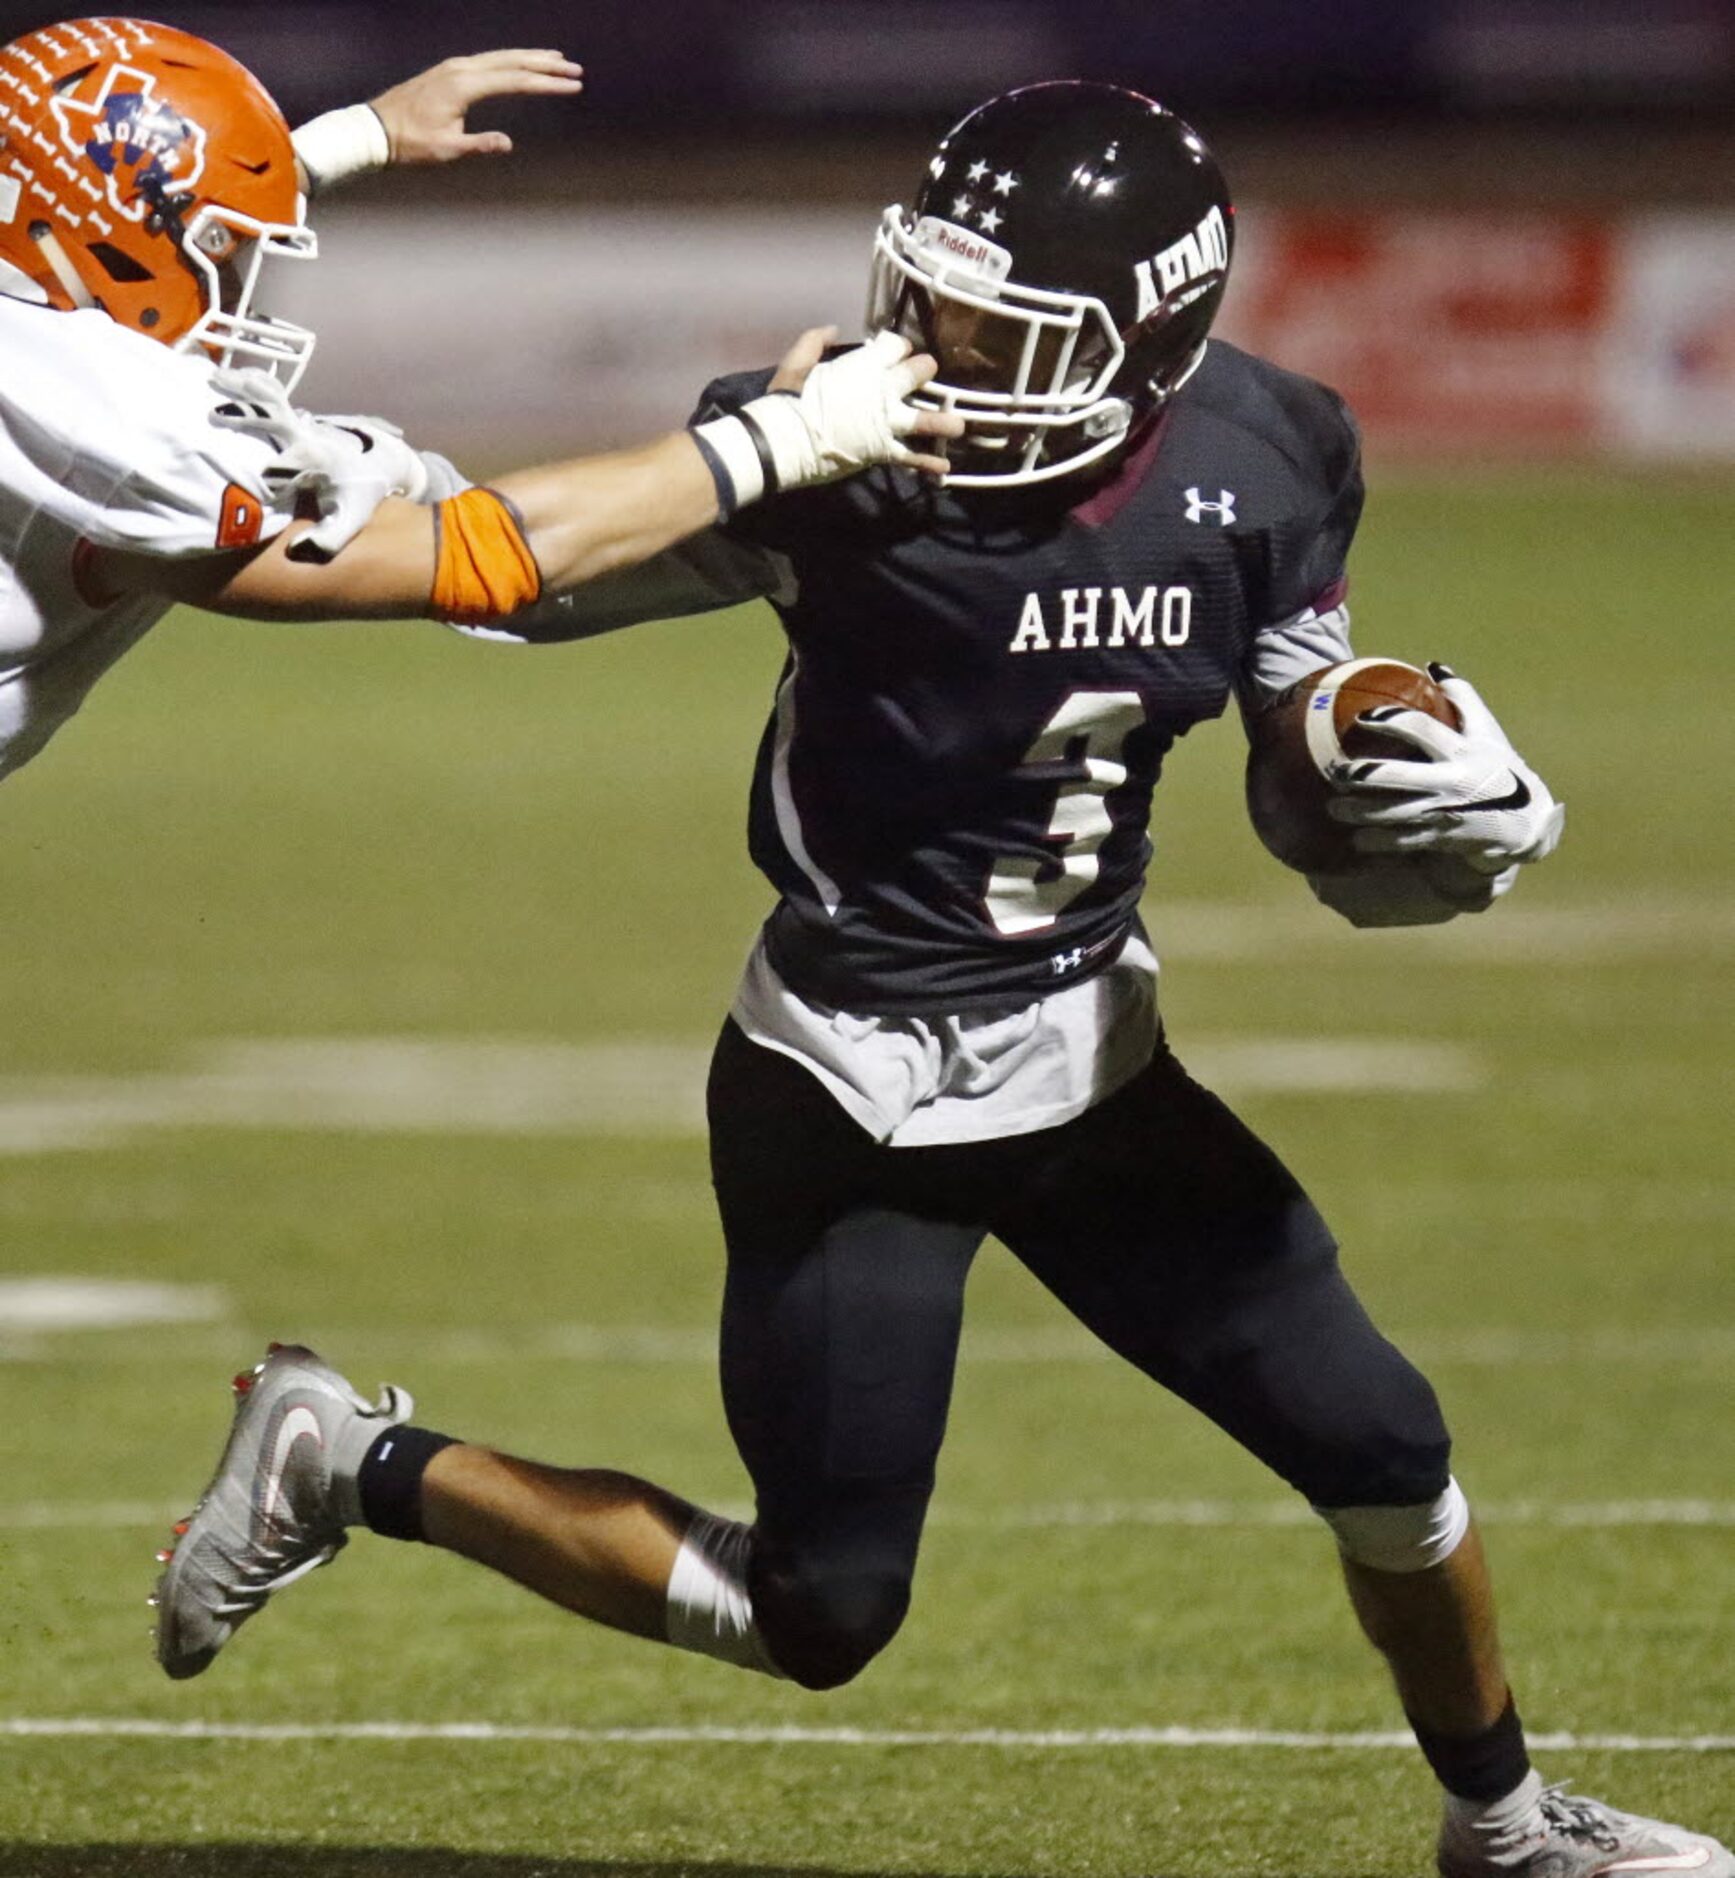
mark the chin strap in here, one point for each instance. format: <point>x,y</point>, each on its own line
<point>60,262</point>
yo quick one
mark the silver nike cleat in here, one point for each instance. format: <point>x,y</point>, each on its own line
<point>271,1513</point>
<point>1567,1837</point>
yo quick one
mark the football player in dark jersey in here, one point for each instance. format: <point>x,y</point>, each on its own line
<point>948,1027</point>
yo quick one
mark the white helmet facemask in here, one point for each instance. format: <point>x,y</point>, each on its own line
<point>1038,363</point>
<point>229,250</point>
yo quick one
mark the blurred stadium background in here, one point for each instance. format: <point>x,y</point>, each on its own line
<point>359,982</point>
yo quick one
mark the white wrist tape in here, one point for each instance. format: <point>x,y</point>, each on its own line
<point>1401,1538</point>
<point>342,143</point>
<point>710,1611</point>
<point>768,445</point>
<point>740,463</point>
<point>851,412</point>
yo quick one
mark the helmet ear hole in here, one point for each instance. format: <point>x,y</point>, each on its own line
<point>120,267</point>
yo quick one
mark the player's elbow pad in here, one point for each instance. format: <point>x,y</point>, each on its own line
<point>484,570</point>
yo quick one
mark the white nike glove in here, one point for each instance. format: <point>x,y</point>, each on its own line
<point>343,467</point>
<point>851,413</point>
<point>1469,794</point>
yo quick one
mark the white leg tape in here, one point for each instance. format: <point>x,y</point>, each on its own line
<point>1401,1538</point>
<point>709,1609</point>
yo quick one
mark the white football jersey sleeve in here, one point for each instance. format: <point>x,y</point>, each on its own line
<point>106,441</point>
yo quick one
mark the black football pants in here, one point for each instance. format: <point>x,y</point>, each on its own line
<point>1157,1218</point>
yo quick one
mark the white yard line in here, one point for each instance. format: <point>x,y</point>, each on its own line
<point>530,1087</point>
<point>514,1086</point>
<point>1209,1513</point>
<point>38,1305</point>
<point>98,1515</point>
<point>1225,932</point>
<point>86,1516</point>
<point>126,1727</point>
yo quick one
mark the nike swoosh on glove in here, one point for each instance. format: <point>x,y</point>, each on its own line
<point>1469,794</point>
<point>341,467</point>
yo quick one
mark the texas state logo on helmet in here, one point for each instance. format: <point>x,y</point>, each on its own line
<point>145,172</point>
<point>144,147</point>
<point>1064,260</point>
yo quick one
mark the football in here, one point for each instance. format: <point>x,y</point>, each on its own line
<point>1313,725</point>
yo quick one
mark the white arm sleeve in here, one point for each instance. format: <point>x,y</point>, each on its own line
<point>707,571</point>
<point>1284,654</point>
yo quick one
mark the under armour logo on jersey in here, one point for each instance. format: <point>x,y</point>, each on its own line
<point>1223,508</point>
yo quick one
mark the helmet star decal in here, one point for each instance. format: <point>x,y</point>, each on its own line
<point>986,216</point>
<point>145,149</point>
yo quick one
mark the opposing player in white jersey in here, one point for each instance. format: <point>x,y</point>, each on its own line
<point>146,180</point>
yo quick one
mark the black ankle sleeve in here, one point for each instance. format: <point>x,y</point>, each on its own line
<point>1483,1767</point>
<point>390,1480</point>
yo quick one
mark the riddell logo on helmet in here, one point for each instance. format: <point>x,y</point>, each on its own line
<point>1204,253</point>
<point>946,235</point>
<point>946,240</point>
<point>145,148</point>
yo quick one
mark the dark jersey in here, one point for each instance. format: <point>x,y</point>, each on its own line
<point>953,795</point>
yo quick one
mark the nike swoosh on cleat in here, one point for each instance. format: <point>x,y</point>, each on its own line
<point>1519,798</point>
<point>299,1424</point>
<point>1696,1860</point>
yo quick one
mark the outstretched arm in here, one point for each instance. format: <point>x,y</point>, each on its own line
<point>424,120</point>
<point>577,520</point>
<point>480,556</point>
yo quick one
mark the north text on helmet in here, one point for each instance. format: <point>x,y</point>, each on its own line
<point>1202,253</point>
<point>140,144</point>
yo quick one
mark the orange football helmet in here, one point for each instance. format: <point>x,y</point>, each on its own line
<point>145,172</point>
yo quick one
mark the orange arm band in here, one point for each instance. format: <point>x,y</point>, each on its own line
<point>483,568</point>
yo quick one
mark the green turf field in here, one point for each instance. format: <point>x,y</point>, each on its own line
<point>384,844</point>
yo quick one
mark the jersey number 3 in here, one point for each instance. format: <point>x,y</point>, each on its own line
<point>1026,894</point>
